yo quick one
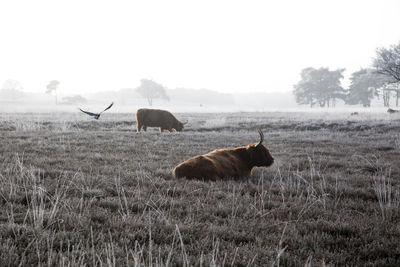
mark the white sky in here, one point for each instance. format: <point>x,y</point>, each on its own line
<point>228,46</point>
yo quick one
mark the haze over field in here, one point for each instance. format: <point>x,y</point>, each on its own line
<point>229,47</point>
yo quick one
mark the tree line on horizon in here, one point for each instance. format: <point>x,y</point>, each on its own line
<point>148,89</point>
<point>323,87</point>
<point>12,90</point>
<point>317,87</point>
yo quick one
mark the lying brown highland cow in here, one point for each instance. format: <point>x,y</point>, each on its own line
<point>157,118</point>
<point>226,163</point>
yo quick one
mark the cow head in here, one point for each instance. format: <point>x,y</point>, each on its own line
<point>259,154</point>
<point>179,126</point>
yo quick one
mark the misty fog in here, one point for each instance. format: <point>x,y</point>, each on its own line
<point>181,100</point>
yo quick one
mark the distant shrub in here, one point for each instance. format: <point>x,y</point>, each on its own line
<point>73,100</point>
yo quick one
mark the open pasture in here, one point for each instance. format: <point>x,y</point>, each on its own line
<point>75,191</point>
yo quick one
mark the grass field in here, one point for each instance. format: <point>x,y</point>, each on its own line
<point>76,191</point>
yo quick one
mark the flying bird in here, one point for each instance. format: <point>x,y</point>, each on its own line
<point>96,115</point>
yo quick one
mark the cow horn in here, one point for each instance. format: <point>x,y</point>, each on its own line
<point>261,137</point>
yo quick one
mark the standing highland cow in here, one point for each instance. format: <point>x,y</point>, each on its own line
<point>157,118</point>
<point>226,163</point>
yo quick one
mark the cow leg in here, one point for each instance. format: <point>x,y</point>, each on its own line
<point>163,129</point>
<point>139,126</point>
<point>145,128</point>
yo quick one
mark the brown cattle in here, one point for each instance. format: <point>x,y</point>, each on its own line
<point>226,163</point>
<point>157,118</point>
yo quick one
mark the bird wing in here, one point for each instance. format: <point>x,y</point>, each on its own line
<point>108,107</point>
<point>89,113</point>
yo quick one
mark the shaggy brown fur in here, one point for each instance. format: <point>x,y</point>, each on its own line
<point>157,118</point>
<point>226,163</point>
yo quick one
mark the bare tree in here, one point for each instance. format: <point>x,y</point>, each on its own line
<point>388,91</point>
<point>387,62</point>
<point>151,90</point>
